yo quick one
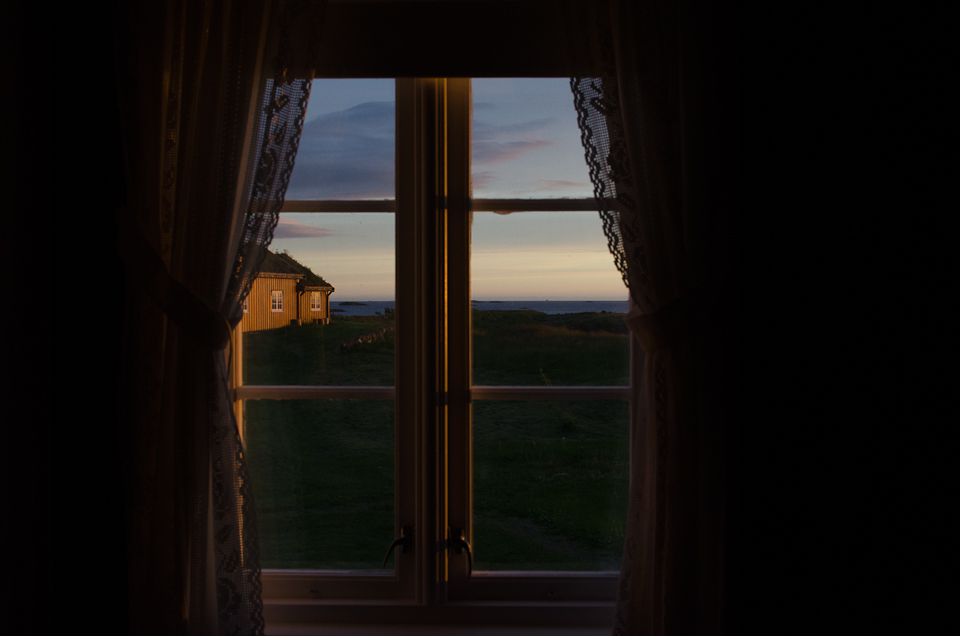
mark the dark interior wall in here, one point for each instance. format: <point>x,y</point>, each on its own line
<point>61,303</point>
<point>463,38</point>
<point>26,480</point>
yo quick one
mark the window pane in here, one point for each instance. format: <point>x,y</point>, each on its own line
<point>322,474</point>
<point>548,302</point>
<point>347,145</point>
<point>526,140</point>
<point>349,342</point>
<point>550,484</point>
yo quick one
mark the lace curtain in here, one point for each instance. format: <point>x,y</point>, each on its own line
<point>212,101</point>
<point>631,123</point>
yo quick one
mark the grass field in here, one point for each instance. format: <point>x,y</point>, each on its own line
<point>309,355</point>
<point>550,478</point>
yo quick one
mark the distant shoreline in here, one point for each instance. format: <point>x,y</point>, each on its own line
<point>523,300</point>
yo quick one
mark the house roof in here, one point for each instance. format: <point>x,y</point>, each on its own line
<point>274,264</point>
<point>285,265</point>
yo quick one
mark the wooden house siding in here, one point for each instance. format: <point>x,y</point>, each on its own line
<point>260,315</point>
<point>308,315</point>
<point>282,273</point>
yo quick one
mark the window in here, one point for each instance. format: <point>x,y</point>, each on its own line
<point>276,300</point>
<point>246,304</point>
<point>433,423</point>
<point>315,301</point>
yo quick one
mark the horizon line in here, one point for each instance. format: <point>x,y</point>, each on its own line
<point>507,300</point>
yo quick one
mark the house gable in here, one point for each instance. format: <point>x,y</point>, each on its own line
<point>283,277</point>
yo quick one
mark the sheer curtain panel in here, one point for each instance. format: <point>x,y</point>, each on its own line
<point>640,125</point>
<point>212,98</point>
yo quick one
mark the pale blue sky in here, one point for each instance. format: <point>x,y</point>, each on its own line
<point>526,145</point>
<point>526,142</point>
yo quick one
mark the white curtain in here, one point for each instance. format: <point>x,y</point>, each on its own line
<point>636,122</point>
<point>212,99</point>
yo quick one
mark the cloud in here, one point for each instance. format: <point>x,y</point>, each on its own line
<point>553,184</point>
<point>348,154</point>
<point>292,228</point>
<point>495,143</point>
<point>485,130</point>
<point>482,179</point>
<point>486,152</point>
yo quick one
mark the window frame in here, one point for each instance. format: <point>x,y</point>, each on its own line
<point>276,301</point>
<point>316,304</point>
<point>433,396</point>
<point>506,586</point>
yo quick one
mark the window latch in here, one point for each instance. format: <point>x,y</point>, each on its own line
<point>459,544</point>
<point>405,540</point>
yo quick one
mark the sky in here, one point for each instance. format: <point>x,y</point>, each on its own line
<point>526,144</point>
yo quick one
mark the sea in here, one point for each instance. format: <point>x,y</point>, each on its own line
<point>371,307</point>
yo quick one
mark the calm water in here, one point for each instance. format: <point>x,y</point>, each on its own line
<point>370,307</point>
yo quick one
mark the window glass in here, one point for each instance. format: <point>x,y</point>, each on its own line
<point>323,469</point>
<point>353,253</point>
<point>550,477</point>
<point>347,145</point>
<point>322,475</point>
<point>550,484</point>
<point>548,302</point>
<point>346,153</point>
<point>526,142</point>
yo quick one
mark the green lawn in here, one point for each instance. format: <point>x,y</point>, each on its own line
<point>550,478</point>
<point>553,474</point>
<point>322,476</point>
<point>310,355</point>
<point>531,348</point>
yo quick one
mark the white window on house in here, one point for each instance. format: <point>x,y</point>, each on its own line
<point>246,305</point>
<point>494,460</point>
<point>315,301</point>
<point>276,300</point>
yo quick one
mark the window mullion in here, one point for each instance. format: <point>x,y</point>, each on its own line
<point>339,206</point>
<point>534,205</point>
<point>566,393</point>
<point>420,324</point>
<point>459,491</point>
<point>307,392</point>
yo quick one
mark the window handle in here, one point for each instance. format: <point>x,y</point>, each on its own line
<point>405,540</point>
<point>459,544</point>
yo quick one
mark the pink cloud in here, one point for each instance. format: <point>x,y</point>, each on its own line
<point>482,179</point>
<point>494,152</point>
<point>550,184</point>
<point>292,228</point>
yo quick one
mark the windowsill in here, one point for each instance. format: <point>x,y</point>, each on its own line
<point>470,618</point>
<point>416,630</point>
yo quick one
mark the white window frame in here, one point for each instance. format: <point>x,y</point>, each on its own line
<point>276,300</point>
<point>246,304</point>
<point>433,397</point>
<point>316,301</point>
